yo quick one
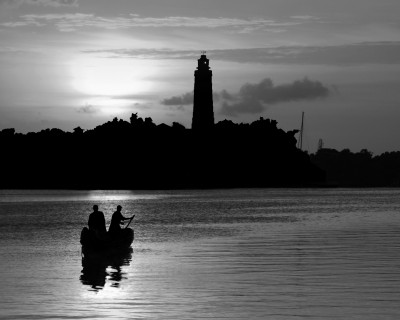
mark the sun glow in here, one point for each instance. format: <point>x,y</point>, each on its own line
<point>108,105</point>
<point>112,77</point>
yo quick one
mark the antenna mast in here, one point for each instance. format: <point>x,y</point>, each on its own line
<point>320,144</point>
<point>300,142</point>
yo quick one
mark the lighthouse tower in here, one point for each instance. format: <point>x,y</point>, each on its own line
<point>203,109</point>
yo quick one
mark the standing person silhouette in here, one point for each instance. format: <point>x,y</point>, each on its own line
<point>97,222</point>
<point>116,221</point>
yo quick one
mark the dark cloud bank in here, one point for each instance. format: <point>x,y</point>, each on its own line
<point>254,98</point>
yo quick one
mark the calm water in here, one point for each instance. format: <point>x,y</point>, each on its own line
<point>226,254</point>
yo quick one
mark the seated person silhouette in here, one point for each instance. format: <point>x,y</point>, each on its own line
<point>97,223</point>
<point>116,221</point>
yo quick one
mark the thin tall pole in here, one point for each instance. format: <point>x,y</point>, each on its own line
<point>300,142</point>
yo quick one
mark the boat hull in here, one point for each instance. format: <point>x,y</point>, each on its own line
<point>107,245</point>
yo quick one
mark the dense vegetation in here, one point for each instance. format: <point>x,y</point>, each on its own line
<point>142,155</point>
<point>362,169</point>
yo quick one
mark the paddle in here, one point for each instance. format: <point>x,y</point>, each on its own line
<point>129,222</point>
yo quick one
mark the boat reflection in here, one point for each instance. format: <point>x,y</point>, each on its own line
<point>99,269</point>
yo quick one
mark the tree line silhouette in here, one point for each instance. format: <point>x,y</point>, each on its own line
<point>361,169</point>
<point>142,155</point>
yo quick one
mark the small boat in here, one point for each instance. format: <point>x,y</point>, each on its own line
<point>109,245</point>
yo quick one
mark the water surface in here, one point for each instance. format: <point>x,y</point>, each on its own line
<point>220,254</point>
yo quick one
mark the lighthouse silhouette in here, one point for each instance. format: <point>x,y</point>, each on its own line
<point>203,109</point>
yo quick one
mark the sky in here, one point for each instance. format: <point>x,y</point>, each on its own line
<point>70,63</point>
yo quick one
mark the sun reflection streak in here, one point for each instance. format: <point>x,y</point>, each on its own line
<point>112,195</point>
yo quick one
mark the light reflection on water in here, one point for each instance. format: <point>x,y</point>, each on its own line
<point>98,269</point>
<point>233,254</point>
<point>76,195</point>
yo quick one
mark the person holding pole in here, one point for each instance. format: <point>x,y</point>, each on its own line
<point>116,221</point>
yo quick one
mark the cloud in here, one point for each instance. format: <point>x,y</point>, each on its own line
<point>87,109</point>
<point>54,3</point>
<point>269,93</point>
<point>250,106</point>
<point>134,97</point>
<point>145,53</point>
<point>49,3</point>
<point>187,98</point>
<point>225,95</point>
<point>65,22</point>
<point>71,22</point>
<point>25,23</point>
<point>184,99</point>
<point>254,98</point>
<point>203,22</point>
<point>10,2</point>
<point>352,54</point>
<point>305,17</point>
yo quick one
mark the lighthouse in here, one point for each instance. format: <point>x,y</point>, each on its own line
<point>203,109</point>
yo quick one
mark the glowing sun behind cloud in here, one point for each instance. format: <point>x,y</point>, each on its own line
<point>94,76</point>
